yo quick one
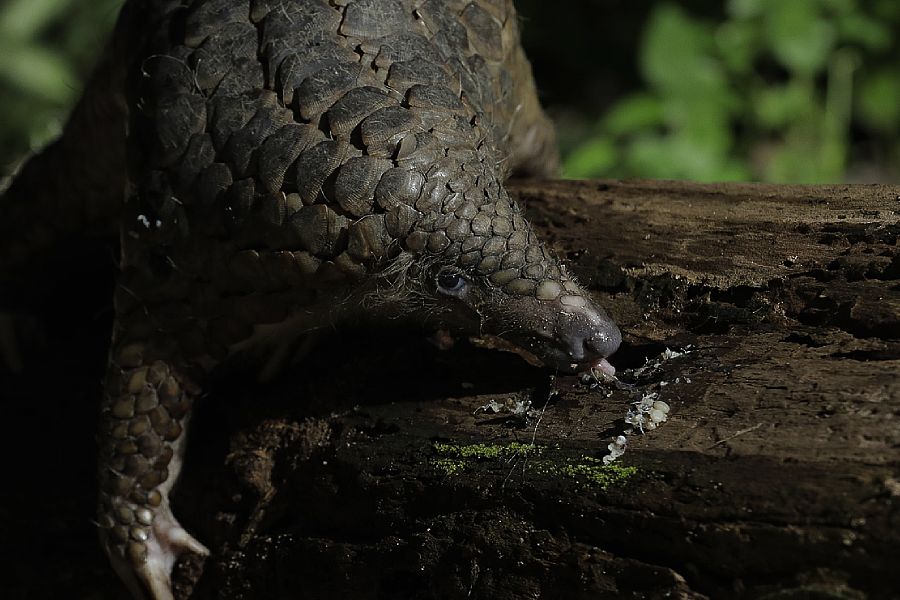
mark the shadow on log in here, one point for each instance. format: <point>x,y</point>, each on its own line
<point>368,471</point>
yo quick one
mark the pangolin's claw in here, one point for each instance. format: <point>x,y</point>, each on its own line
<point>147,570</point>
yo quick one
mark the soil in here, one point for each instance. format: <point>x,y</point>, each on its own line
<point>371,471</point>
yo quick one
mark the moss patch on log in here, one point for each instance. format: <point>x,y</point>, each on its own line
<point>455,459</point>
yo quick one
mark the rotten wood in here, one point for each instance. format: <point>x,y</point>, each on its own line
<point>776,475</point>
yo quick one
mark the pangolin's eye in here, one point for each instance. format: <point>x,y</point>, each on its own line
<point>451,283</point>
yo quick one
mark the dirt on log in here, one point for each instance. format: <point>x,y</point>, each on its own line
<point>369,470</point>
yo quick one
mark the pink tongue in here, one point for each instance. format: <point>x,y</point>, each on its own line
<point>603,366</point>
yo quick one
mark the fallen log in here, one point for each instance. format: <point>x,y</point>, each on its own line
<point>766,318</point>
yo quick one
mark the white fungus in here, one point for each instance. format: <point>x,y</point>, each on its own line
<point>648,412</point>
<point>616,449</point>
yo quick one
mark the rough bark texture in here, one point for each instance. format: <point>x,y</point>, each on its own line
<point>365,472</point>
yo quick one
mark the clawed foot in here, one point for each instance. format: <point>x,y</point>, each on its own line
<point>145,561</point>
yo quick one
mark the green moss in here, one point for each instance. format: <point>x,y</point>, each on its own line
<point>486,451</point>
<point>449,466</point>
<point>592,471</point>
<point>454,459</point>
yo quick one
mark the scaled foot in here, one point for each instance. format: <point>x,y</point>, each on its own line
<point>145,560</point>
<point>146,408</point>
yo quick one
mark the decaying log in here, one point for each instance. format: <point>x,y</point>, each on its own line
<point>368,471</point>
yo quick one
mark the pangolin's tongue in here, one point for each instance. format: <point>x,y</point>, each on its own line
<point>603,366</point>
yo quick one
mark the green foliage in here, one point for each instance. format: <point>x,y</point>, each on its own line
<point>47,48</point>
<point>793,78</point>
<point>878,100</point>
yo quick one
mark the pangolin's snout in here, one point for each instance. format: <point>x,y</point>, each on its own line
<point>587,335</point>
<point>568,332</point>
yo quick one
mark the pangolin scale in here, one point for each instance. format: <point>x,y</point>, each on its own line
<point>273,167</point>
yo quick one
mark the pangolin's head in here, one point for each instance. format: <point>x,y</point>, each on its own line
<point>483,260</point>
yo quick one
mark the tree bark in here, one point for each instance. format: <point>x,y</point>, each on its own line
<point>369,471</point>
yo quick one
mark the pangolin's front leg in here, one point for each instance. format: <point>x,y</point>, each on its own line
<point>147,405</point>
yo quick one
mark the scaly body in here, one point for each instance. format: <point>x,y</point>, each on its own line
<point>289,162</point>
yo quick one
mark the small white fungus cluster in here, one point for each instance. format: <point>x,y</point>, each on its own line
<point>651,365</point>
<point>616,449</point>
<point>516,408</point>
<point>648,412</point>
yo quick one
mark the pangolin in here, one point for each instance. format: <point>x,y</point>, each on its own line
<point>276,166</point>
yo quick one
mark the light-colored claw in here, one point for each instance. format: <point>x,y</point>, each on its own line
<point>149,575</point>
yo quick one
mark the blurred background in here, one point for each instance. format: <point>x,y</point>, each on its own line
<point>706,90</point>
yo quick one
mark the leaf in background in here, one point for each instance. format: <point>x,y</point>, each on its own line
<point>808,151</point>
<point>672,47</point>
<point>37,72</point>
<point>694,159</point>
<point>594,158</point>
<point>878,100</point>
<point>679,61</point>
<point>746,9</point>
<point>734,170</point>
<point>738,44</point>
<point>24,19</point>
<point>700,153</point>
<point>87,30</point>
<point>799,37</point>
<point>695,98</point>
<point>796,161</point>
<point>650,155</point>
<point>637,112</point>
<point>865,31</point>
<point>778,106</point>
<point>886,10</point>
<point>835,132</point>
<point>704,123</point>
<point>840,7</point>
<point>47,47</point>
<point>679,157</point>
<point>25,125</point>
